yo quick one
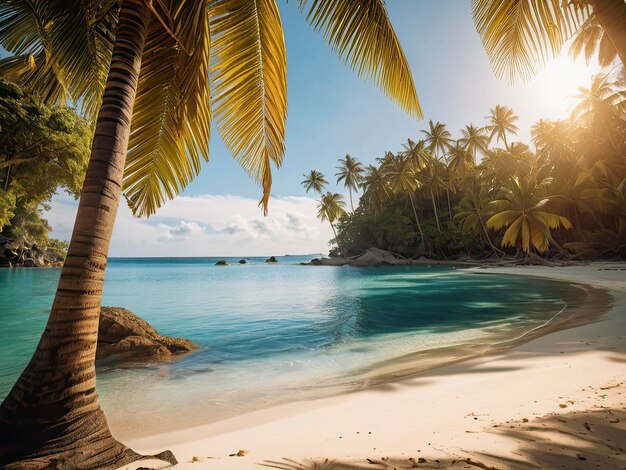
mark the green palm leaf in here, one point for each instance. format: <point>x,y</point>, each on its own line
<point>362,35</point>
<point>249,74</point>
<point>172,116</point>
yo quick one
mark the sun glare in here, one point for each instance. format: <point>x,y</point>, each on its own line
<point>557,85</point>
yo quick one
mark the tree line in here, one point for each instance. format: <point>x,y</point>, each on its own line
<point>484,194</point>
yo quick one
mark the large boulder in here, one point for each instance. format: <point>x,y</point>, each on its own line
<point>271,259</point>
<point>123,336</point>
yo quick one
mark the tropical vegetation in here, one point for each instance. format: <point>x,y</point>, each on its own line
<point>150,77</point>
<point>566,198</point>
<point>42,149</point>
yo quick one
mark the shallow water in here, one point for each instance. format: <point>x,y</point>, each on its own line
<point>272,333</point>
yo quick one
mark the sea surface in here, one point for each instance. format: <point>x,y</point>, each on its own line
<point>271,333</point>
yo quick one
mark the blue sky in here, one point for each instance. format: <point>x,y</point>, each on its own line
<point>331,113</point>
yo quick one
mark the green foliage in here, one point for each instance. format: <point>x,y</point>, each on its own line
<point>570,193</point>
<point>42,149</point>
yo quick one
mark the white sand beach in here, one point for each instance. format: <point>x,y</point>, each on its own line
<point>558,401</point>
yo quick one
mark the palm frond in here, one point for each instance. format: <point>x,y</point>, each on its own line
<point>171,117</point>
<point>249,76</point>
<point>520,36</point>
<point>361,33</point>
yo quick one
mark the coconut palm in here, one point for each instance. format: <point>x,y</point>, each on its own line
<point>416,152</point>
<point>474,140</point>
<point>374,186</point>
<point>143,69</point>
<point>400,174</point>
<point>432,178</point>
<point>521,36</point>
<point>438,138</point>
<point>314,181</point>
<point>474,211</point>
<point>331,207</point>
<point>591,39</point>
<point>502,120</point>
<point>460,162</point>
<point>351,173</point>
<point>604,99</point>
<point>523,211</point>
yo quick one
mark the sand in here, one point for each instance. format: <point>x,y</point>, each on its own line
<point>558,401</point>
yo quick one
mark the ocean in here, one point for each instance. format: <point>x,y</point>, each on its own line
<point>271,333</point>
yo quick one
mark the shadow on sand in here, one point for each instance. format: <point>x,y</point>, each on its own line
<point>591,439</point>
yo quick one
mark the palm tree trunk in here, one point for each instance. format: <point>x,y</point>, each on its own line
<point>432,198</point>
<point>417,220</point>
<point>351,205</point>
<point>52,417</point>
<point>612,17</point>
<point>449,206</point>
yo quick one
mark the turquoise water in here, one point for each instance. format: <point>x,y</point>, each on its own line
<point>271,333</point>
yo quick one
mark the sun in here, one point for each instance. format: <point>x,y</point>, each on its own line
<point>558,84</point>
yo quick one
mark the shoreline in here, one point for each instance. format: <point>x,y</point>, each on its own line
<point>315,429</point>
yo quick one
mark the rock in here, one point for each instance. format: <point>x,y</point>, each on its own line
<point>221,262</point>
<point>123,336</point>
<point>271,259</point>
<point>242,261</point>
<point>377,257</point>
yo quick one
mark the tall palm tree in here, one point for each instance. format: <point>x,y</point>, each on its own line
<point>521,36</point>
<point>438,138</point>
<point>351,173</point>
<point>416,152</point>
<point>439,141</point>
<point>331,207</point>
<point>591,39</point>
<point>143,69</point>
<point>400,173</point>
<point>522,209</point>
<point>431,177</point>
<point>314,181</point>
<point>474,211</point>
<point>604,99</point>
<point>375,187</point>
<point>502,120</point>
<point>474,140</point>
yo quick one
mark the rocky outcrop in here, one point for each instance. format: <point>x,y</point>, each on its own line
<point>222,262</point>
<point>271,259</point>
<point>243,261</point>
<point>29,255</point>
<point>378,257</point>
<point>123,336</point>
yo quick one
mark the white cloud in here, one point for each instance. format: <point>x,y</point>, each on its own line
<point>210,225</point>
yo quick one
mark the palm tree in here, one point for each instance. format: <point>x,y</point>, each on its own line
<point>522,209</point>
<point>431,177</point>
<point>416,152</point>
<point>474,140</point>
<point>400,173</point>
<point>375,188</point>
<point>143,69</point>
<point>520,37</point>
<point>460,162</point>
<point>474,211</point>
<point>591,38</point>
<point>351,173</point>
<point>603,100</point>
<point>315,181</point>
<point>438,138</point>
<point>502,120</point>
<point>331,207</point>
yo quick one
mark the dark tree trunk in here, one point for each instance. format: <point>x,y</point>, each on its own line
<point>612,17</point>
<point>52,417</point>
